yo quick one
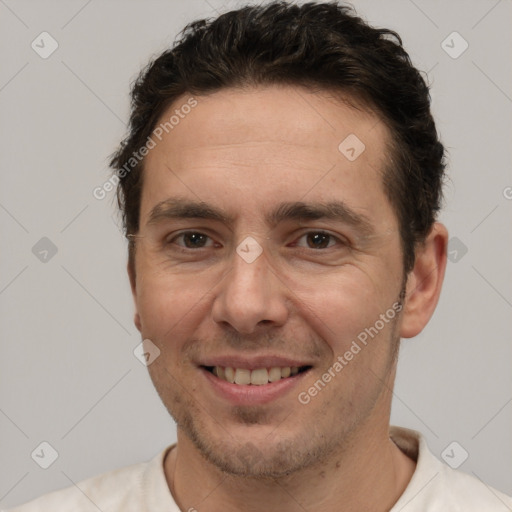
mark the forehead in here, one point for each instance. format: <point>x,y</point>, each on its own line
<point>284,115</point>
<point>275,142</point>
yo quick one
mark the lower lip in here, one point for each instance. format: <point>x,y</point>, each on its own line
<point>249,394</point>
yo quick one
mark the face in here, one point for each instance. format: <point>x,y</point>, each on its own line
<point>266,252</point>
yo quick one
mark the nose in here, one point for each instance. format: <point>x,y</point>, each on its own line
<point>250,297</point>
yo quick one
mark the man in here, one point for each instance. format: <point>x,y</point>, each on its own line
<point>279,188</point>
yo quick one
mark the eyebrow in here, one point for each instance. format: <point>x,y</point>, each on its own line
<point>338,211</point>
<point>185,209</point>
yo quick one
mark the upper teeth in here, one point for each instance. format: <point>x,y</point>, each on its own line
<point>256,377</point>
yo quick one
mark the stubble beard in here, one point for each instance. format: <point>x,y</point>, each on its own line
<point>286,452</point>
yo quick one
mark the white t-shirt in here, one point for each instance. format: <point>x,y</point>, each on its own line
<point>434,487</point>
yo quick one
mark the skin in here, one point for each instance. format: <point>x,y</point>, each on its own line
<point>245,152</point>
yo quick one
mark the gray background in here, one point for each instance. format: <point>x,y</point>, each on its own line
<point>68,375</point>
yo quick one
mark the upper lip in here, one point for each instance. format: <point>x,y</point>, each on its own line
<point>253,363</point>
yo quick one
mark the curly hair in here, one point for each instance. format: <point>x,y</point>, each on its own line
<point>322,46</point>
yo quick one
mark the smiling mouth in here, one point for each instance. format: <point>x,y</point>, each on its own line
<point>256,377</point>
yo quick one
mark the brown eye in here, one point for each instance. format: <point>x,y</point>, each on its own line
<point>192,240</point>
<point>318,240</point>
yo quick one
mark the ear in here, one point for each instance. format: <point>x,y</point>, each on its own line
<point>424,282</point>
<point>133,285</point>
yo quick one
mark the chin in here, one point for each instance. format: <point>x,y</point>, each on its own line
<point>254,451</point>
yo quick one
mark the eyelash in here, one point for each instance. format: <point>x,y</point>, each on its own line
<point>180,235</point>
<point>325,233</point>
<point>317,232</point>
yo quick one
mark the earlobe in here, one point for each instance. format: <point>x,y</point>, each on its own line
<point>133,285</point>
<point>424,282</point>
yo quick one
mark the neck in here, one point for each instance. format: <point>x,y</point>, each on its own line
<point>368,473</point>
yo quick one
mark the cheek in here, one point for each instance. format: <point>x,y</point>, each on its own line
<point>340,308</point>
<point>170,305</point>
